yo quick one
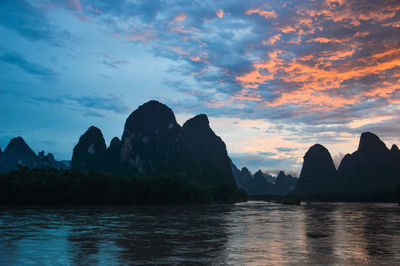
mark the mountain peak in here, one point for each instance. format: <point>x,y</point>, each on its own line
<point>114,142</point>
<point>153,116</point>
<point>281,174</point>
<point>18,144</point>
<point>318,171</point>
<point>200,120</point>
<point>318,152</point>
<point>371,143</point>
<point>317,148</point>
<point>245,170</point>
<point>394,148</point>
<point>151,138</point>
<point>92,130</point>
<point>90,146</point>
<point>18,152</point>
<point>209,149</point>
<point>259,172</point>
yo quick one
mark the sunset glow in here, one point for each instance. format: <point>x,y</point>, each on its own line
<point>274,77</point>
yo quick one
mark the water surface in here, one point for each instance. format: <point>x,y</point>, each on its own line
<point>246,233</point>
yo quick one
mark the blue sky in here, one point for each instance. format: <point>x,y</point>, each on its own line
<point>275,77</point>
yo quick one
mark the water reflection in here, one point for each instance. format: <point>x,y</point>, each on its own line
<point>248,233</point>
<point>320,225</point>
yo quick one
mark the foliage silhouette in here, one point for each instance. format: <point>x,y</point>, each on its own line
<point>50,186</point>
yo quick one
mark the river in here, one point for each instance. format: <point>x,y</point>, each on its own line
<point>256,233</point>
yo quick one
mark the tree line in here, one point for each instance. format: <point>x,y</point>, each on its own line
<point>49,186</point>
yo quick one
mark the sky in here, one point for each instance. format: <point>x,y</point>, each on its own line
<point>274,77</point>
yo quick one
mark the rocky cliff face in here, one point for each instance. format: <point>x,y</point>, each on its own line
<point>318,173</point>
<point>372,167</point>
<point>235,173</point>
<point>90,151</point>
<point>154,143</point>
<point>151,139</point>
<point>209,151</point>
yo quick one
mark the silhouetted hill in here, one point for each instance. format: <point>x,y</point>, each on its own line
<point>90,151</point>
<point>151,140</point>
<point>113,156</point>
<point>247,176</point>
<point>18,153</point>
<point>235,172</point>
<point>48,160</point>
<point>395,158</point>
<point>372,167</point>
<point>285,183</point>
<point>318,173</point>
<point>209,151</point>
<point>242,177</point>
<point>371,173</point>
<point>259,184</point>
<point>153,143</point>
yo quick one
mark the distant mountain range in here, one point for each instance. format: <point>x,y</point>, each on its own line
<point>153,143</point>
<point>262,183</point>
<point>18,152</point>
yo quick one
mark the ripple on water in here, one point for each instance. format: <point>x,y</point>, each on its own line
<point>252,232</point>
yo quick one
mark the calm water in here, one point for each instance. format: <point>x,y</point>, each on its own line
<point>247,233</point>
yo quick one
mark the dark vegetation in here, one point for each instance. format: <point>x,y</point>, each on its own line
<point>49,186</point>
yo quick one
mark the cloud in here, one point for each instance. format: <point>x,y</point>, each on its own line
<point>316,71</point>
<point>115,63</point>
<point>88,104</point>
<point>292,60</point>
<point>107,103</point>
<point>30,21</point>
<point>263,13</point>
<point>19,61</point>
<point>286,149</point>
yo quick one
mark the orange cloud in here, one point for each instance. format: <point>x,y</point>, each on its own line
<point>253,79</point>
<point>180,29</point>
<point>263,13</point>
<point>273,39</point>
<point>195,58</point>
<point>220,13</point>
<point>315,82</point>
<point>287,29</point>
<point>179,17</point>
<point>324,40</point>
